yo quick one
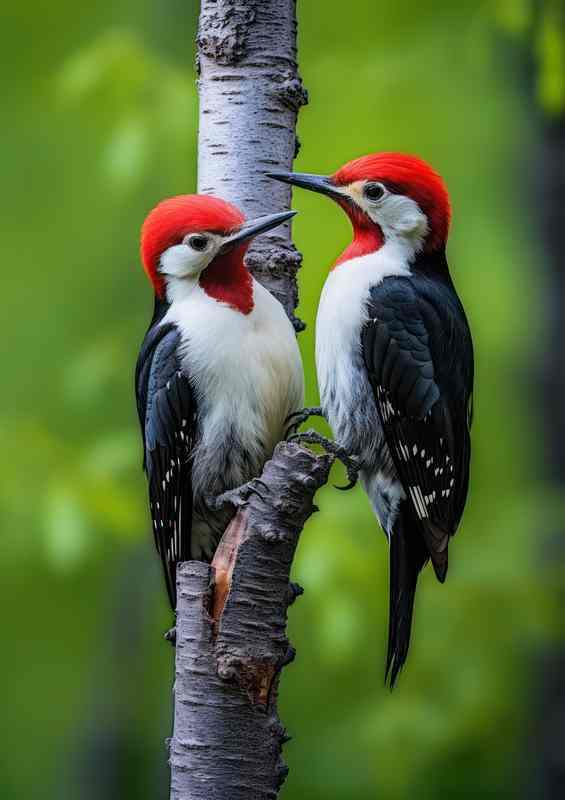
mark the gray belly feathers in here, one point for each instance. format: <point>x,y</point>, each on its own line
<point>349,405</point>
<point>218,466</point>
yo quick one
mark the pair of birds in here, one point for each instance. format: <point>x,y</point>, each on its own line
<point>219,373</point>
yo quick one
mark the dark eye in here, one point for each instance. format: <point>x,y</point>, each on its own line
<point>198,242</point>
<point>374,191</point>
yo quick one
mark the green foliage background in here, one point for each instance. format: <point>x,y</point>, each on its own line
<point>99,123</point>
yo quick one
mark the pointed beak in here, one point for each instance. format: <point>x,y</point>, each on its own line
<point>254,227</point>
<point>314,183</point>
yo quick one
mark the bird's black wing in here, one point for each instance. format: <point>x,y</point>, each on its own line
<point>418,353</point>
<point>166,411</point>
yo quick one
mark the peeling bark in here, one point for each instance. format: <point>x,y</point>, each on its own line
<point>231,641</point>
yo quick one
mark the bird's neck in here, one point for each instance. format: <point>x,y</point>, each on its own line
<point>228,280</point>
<point>366,239</point>
<point>433,264</point>
<point>406,247</point>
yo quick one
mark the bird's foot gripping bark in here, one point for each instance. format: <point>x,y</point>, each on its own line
<point>236,497</point>
<point>294,421</point>
<point>349,462</point>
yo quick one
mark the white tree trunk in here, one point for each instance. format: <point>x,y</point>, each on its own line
<point>250,94</point>
<point>231,639</point>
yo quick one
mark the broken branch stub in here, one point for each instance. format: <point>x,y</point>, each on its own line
<point>232,644</point>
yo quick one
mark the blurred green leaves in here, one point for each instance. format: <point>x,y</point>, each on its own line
<point>66,535</point>
<point>93,140</point>
<point>65,494</point>
<point>551,57</point>
<point>540,25</point>
<point>515,16</point>
<point>91,373</point>
<point>148,106</point>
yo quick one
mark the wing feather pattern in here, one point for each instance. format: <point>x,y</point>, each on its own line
<point>166,413</point>
<point>418,353</point>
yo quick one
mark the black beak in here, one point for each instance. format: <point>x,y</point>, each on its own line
<point>315,183</point>
<point>254,227</point>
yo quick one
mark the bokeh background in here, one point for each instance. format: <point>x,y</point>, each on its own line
<point>98,123</point>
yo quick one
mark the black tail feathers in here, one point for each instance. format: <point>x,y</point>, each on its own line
<point>408,554</point>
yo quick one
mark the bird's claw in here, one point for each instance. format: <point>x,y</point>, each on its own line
<point>299,418</point>
<point>349,462</point>
<point>237,497</point>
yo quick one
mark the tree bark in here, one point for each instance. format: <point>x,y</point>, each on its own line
<point>250,93</point>
<point>231,643</point>
<point>231,639</point>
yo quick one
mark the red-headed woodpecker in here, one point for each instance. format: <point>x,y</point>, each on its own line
<point>218,373</point>
<point>395,364</point>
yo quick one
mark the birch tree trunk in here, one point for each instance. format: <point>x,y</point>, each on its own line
<point>250,94</point>
<point>231,639</point>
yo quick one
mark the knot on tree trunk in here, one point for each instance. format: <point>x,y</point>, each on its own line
<point>292,92</point>
<point>224,30</point>
<point>275,264</point>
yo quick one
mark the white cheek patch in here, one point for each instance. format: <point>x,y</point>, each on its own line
<point>401,215</point>
<point>176,261</point>
<point>179,261</point>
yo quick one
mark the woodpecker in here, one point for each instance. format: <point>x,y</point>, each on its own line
<point>218,373</point>
<point>394,359</point>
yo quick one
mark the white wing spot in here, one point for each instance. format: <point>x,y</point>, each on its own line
<point>404,452</point>
<point>418,500</point>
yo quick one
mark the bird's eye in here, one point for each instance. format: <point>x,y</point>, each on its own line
<point>198,242</point>
<point>374,191</point>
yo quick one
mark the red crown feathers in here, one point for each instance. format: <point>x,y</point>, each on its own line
<point>408,175</point>
<point>170,221</point>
